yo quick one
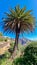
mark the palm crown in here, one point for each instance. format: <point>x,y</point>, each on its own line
<point>19,19</point>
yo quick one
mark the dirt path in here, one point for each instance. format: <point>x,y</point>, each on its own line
<point>4,47</point>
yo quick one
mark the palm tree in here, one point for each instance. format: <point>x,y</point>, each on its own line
<point>18,21</point>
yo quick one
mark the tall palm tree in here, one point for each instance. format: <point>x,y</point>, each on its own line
<point>18,21</point>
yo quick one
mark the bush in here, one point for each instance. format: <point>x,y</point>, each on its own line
<point>1,34</point>
<point>11,47</point>
<point>4,58</point>
<point>5,40</point>
<point>29,57</point>
<point>1,39</point>
<point>7,54</point>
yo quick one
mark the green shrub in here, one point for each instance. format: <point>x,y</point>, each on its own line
<point>7,54</point>
<point>4,58</point>
<point>29,57</point>
<point>5,40</point>
<point>1,34</point>
<point>1,39</point>
<point>11,47</point>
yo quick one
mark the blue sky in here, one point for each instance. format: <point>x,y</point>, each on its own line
<point>5,5</point>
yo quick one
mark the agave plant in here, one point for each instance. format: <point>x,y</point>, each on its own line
<point>18,21</point>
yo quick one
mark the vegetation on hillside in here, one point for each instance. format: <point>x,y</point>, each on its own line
<point>27,57</point>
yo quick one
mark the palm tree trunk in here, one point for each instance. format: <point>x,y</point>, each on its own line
<point>15,48</point>
<point>16,42</point>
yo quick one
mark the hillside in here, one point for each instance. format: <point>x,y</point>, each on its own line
<point>5,43</point>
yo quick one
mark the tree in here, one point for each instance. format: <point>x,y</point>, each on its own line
<point>18,21</point>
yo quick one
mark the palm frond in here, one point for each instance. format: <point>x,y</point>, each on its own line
<point>23,10</point>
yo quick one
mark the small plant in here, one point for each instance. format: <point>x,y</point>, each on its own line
<point>1,39</point>
<point>4,58</point>
<point>11,47</point>
<point>7,54</point>
<point>1,34</point>
<point>5,40</point>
